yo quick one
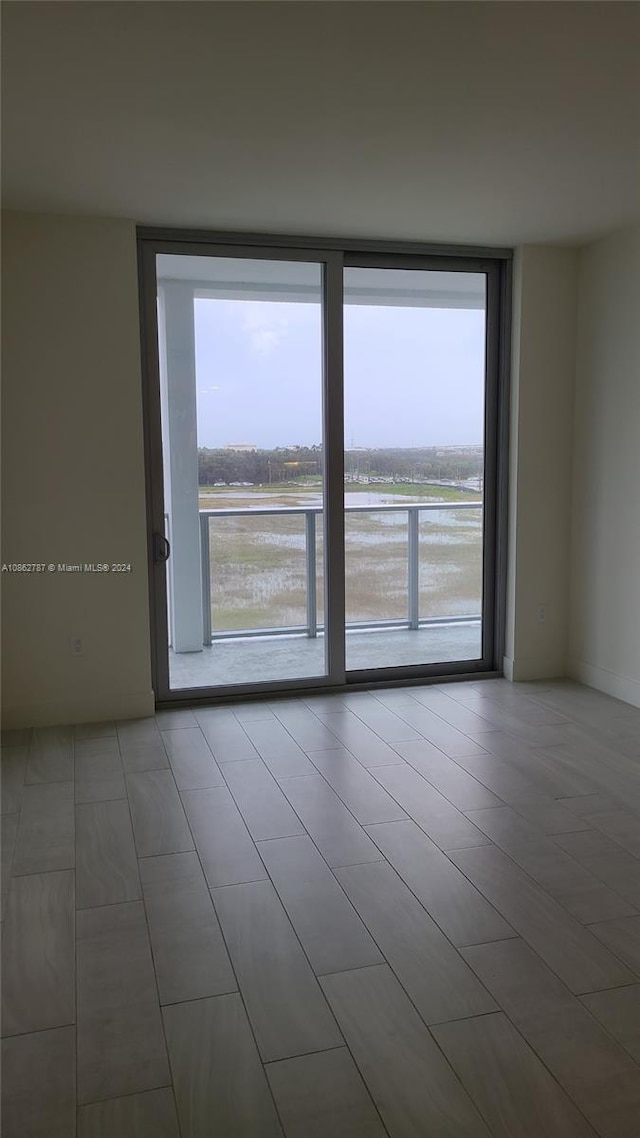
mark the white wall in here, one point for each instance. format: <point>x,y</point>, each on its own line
<point>605,572</point>
<point>543,365</point>
<point>73,471</point>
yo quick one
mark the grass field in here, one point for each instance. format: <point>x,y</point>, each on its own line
<point>258,563</point>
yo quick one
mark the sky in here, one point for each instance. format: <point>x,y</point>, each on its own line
<point>413,376</point>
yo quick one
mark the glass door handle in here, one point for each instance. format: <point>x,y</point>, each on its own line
<point>161,548</point>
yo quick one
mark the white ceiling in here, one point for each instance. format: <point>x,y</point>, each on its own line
<point>472,122</point>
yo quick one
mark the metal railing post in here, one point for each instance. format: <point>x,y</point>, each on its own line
<point>413,575</point>
<point>310,553</point>
<point>206,579</point>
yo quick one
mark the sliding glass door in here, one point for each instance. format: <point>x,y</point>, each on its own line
<point>414,387</point>
<point>322,432</point>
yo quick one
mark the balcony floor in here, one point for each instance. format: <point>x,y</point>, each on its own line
<point>264,658</point>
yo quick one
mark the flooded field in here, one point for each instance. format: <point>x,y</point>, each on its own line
<point>258,563</point>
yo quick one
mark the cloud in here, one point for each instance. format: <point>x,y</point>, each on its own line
<point>266,327</point>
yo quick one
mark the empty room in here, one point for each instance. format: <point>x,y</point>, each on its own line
<point>320,676</point>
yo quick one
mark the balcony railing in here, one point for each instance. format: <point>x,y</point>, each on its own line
<point>413,619</point>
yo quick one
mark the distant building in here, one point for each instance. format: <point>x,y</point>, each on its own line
<point>240,446</point>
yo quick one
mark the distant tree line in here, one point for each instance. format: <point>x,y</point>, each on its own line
<point>289,464</point>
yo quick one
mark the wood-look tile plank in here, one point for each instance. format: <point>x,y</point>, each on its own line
<point>510,1086</point>
<point>98,770</point>
<point>600,763</point>
<point>225,847</point>
<point>583,805</point>
<point>39,1084</point>
<point>83,731</point>
<point>13,768</point>
<point>617,736</point>
<point>340,839</point>
<point>250,712</point>
<point>520,699</point>
<point>189,955</point>
<point>286,1007</point>
<point>453,712</point>
<point>441,734</point>
<point>629,745</point>
<point>159,823</point>
<point>193,765</point>
<point>226,737</point>
<point>622,937</point>
<point>151,1114</point>
<point>606,860</point>
<point>461,690</point>
<point>281,754</point>
<point>353,700</point>
<point>323,1094</point>
<point>394,698</point>
<point>143,756</point>
<point>594,1070</point>
<point>390,727</point>
<point>363,743</point>
<point>407,1075</point>
<point>121,1047</point>
<point>551,817</point>
<point>106,865</point>
<point>332,704</point>
<point>461,788</point>
<point>618,1010</point>
<point>261,802</point>
<point>137,731</point>
<point>50,755</point>
<point>175,718</point>
<point>219,1080</point>
<point>568,767</point>
<point>328,926</point>
<point>506,781</point>
<point>612,730</point>
<point>584,704</point>
<point>141,745</point>
<point>38,954</point>
<point>356,787</point>
<point>569,948</point>
<point>308,731</point>
<point>438,981</point>
<point>620,826</point>
<point>45,838</point>
<point>516,716</point>
<point>578,891</point>
<point>542,737</point>
<point>445,825</point>
<point>548,774</point>
<point>455,904</point>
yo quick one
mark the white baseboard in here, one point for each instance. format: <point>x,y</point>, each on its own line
<point>621,687</point>
<point>94,708</point>
<point>526,669</point>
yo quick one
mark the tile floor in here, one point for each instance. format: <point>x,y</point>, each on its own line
<point>412,912</point>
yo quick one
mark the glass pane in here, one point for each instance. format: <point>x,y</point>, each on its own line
<point>376,564</point>
<point>241,391</point>
<point>414,466</point>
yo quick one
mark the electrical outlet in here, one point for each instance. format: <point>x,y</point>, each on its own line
<point>76,646</point>
<point>542,614</point>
